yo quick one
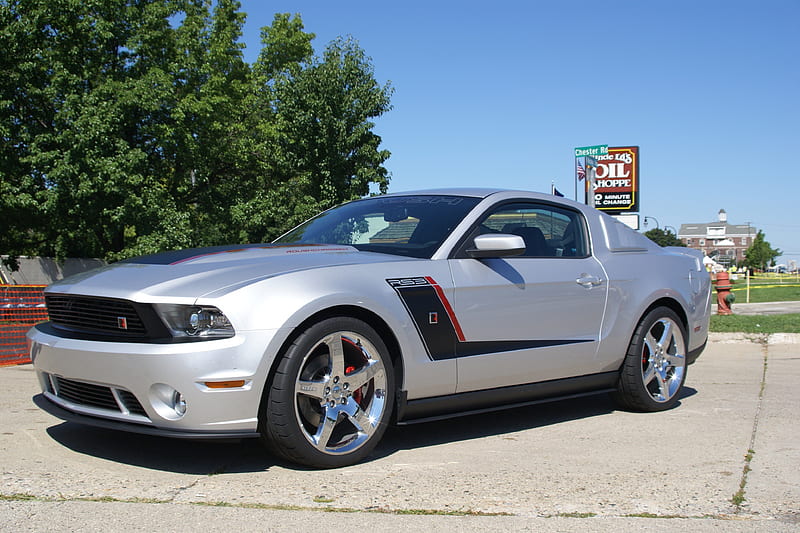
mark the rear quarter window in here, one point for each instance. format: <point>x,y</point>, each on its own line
<point>621,238</point>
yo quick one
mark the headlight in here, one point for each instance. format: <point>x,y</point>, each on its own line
<point>195,321</point>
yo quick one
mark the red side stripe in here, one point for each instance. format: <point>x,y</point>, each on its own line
<point>447,307</point>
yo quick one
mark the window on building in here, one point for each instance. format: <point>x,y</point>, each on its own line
<point>716,232</point>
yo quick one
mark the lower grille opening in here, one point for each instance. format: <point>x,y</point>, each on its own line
<point>131,403</point>
<point>86,394</point>
<point>97,396</point>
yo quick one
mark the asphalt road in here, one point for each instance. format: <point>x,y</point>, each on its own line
<point>578,465</point>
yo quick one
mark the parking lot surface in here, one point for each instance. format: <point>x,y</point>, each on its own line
<point>727,458</point>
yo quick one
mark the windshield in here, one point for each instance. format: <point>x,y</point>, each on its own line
<point>413,226</point>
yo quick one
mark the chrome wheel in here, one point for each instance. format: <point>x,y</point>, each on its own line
<point>654,368</point>
<point>331,395</point>
<point>663,360</point>
<point>340,394</point>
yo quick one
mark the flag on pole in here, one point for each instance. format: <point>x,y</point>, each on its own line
<point>554,191</point>
<point>580,171</point>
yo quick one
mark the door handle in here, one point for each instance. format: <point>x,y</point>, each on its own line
<point>588,281</point>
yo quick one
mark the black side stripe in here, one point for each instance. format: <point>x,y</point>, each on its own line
<point>439,329</point>
<point>470,348</point>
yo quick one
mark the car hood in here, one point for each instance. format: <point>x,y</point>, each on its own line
<point>191,274</point>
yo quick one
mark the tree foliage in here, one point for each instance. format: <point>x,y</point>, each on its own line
<point>134,126</point>
<point>663,237</point>
<point>760,254</point>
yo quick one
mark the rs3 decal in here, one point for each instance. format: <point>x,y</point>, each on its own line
<point>438,326</point>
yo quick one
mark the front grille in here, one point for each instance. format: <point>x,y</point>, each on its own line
<point>97,396</point>
<point>95,315</point>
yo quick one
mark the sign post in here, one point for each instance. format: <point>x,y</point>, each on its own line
<point>585,167</point>
<point>591,173</point>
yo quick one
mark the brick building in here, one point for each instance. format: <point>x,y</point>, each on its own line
<point>723,242</point>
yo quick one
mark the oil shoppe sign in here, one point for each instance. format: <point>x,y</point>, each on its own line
<point>616,180</point>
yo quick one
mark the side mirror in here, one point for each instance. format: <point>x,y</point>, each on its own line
<point>497,245</point>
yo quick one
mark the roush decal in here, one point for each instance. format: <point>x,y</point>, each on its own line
<point>438,325</point>
<point>432,315</point>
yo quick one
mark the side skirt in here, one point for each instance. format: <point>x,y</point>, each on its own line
<point>476,402</point>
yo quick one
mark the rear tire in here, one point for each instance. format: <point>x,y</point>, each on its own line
<point>654,369</point>
<point>331,397</point>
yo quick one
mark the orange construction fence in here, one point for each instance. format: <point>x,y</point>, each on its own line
<point>21,306</point>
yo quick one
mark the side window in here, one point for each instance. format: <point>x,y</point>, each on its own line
<point>548,230</point>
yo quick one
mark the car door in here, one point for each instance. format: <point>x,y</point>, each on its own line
<point>533,317</point>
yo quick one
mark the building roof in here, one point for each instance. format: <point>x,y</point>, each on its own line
<point>716,229</point>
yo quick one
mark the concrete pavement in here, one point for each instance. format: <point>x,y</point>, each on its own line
<point>726,459</point>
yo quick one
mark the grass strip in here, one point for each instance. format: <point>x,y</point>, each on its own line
<point>768,324</point>
<point>770,293</point>
<point>24,497</point>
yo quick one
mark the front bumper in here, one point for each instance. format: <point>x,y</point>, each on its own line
<point>52,408</point>
<point>160,389</point>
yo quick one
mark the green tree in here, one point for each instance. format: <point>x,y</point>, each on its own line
<point>324,151</point>
<point>760,254</point>
<point>663,237</point>
<point>133,126</point>
<point>80,156</point>
<point>69,159</point>
<point>201,135</point>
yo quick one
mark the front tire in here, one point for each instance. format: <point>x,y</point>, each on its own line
<point>654,369</point>
<point>331,396</point>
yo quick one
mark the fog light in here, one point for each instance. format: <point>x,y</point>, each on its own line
<point>167,401</point>
<point>178,403</point>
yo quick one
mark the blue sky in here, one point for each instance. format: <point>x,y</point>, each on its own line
<point>499,93</point>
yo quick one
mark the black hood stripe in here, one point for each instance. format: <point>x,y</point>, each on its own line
<point>176,257</point>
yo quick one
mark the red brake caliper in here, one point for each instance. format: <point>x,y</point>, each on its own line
<point>357,396</point>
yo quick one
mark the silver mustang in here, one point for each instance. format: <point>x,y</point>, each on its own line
<point>398,308</point>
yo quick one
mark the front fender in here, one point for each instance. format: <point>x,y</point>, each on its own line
<point>286,302</point>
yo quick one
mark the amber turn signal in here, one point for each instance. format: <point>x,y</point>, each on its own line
<point>225,384</point>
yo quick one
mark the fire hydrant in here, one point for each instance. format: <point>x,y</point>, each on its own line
<point>725,297</point>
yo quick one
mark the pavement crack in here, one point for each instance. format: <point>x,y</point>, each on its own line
<point>738,498</point>
<point>180,490</point>
<point>221,469</point>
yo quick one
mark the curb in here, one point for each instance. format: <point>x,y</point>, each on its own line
<point>755,338</point>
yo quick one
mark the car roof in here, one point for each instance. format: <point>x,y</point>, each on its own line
<point>485,192</point>
<point>477,192</point>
